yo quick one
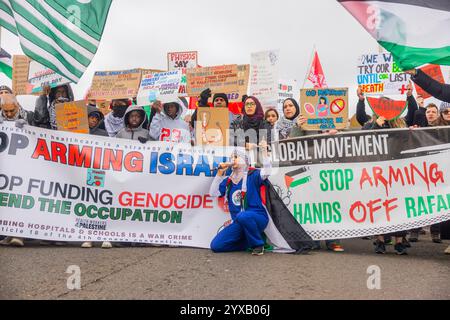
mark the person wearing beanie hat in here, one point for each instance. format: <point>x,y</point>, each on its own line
<point>444,110</point>
<point>241,191</point>
<point>220,100</point>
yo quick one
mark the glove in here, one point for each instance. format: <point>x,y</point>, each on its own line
<point>21,123</point>
<point>143,140</point>
<point>204,97</point>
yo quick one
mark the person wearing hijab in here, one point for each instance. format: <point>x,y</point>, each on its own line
<point>253,120</point>
<point>241,191</point>
<point>291,112</point>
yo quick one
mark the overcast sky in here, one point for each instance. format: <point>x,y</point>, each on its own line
<point>139,33</point>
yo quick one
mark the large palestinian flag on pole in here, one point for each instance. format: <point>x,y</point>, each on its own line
<point>416,32</point>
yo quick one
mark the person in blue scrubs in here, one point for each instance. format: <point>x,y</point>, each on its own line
<point>242,192</point>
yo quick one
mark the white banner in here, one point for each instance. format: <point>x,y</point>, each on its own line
<point>159,86</point>
<point>73,187</point>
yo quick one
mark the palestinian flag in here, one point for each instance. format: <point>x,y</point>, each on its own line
<point>5,63</point>
<point>297,178</point>
<point>416,32</point>
<point>284,231</point>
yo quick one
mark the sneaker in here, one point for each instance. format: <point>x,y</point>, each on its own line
<point>86,245</point>
<point>107,245</point>
<point>259,251</point>
<point>436,238</point>
<point>16,242</point>
<point>414,236</point>
<point>380,248</point>
<point>401,250</point>
<point>6,241</point>
<point>447,251</point>
<point>336,247</point>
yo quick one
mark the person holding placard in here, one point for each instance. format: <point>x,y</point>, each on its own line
<point>168,124</point>
<point>45,110</point>
<point>114,121</point>
<point>291,113</point>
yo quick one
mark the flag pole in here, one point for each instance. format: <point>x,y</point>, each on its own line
<point>309,65</point>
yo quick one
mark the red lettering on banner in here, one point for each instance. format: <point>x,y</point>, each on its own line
<point>369,210</point>
<point>41,150</point>
<point>165,201</point>
<point>408,175</point>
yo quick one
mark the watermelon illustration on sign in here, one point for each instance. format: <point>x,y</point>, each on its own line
<point>387,108</point>
<point>309,108</point>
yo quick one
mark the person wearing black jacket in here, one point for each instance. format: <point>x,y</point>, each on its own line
<point>440,91</point>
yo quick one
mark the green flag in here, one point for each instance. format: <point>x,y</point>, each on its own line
<point>62,35</point>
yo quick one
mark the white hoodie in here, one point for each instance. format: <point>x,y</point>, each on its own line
<point>164,128</point>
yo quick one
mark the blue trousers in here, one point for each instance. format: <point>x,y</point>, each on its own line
<point>245,232</point>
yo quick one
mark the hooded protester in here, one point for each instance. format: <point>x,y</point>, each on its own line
<point>291,112</point>
<point>95,120</point>
<point>133,122</point>
<point>440,91</point>
<point>45,111</point>
<point>114,121</point>
<point>242,193</point>
<point>253,119</point>
<point>168,124</point>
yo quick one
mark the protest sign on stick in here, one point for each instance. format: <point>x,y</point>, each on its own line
<point>110,85</point>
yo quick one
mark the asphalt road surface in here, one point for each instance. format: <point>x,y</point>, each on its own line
<point>37,272</point>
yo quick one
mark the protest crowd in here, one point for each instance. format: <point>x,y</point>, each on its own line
<point>127,119</point>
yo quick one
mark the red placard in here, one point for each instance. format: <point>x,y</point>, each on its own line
<point>387,108</point>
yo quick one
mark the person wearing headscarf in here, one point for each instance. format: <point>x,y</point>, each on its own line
<point>444,110</point>
<point>291,112</point>
<point>253,125</point>
<point>241,190</point>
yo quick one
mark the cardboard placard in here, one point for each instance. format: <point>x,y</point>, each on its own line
<point>182,60</point>
<point>40,76</point>
<point>287,89</point>
<point>220,79</point>
<point>212,126</point>
<point>387,108</point>
<point>110,85</point>
<point>435,72</point>
<point>72,117</point>
<point>21,67</point>
<point>378,74</point>
<point>159,86</point>
<point>264,78</point>
<point>324,108</point>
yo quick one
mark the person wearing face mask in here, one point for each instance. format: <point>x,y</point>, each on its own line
<point>168,123</point>
<point>114,121</point>
<point>241,191</point>
<point>291,113</point>
<point>45,111</point>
